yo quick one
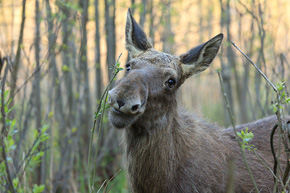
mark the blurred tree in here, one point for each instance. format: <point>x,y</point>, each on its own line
<point>168,35</point>
<point>16,63</point>
<point>40,176</point>
<point>151,23</point>
<point>143,11</point>
<point>99,80</point>
<point>110,13</point>
<point>86,113</point>
<point>233,65</point>
<point>54,85</point>
<point>226,69</point>
<point>133,6</point>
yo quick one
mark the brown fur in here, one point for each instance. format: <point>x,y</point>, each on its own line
<point>168,149</point>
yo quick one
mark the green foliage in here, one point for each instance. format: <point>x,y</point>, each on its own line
<point>38,189</point>
<point>284,99</point>
<point>245,137</point>
<point>65,68</point>
<point>99,115</point>
<point>32,158</point>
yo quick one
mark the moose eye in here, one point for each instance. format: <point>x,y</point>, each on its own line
<point>128,68</point>
<point>171,83</point>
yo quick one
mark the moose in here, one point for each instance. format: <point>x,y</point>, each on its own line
<point>166,148</point>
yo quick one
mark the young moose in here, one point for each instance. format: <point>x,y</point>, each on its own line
<point>168,150</point>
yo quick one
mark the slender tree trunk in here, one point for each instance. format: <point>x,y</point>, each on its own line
<point>16,64</point>
<point>143,13</point>
<point>110,6</point>
<point>232,63</point>
<point>132,10</point>
<point>151,25</point>
<point>99,80</point>
<point>210,18</point>
<point>55,85</point>
<point>168,35</point>
<point>41,168</point>
<point>226,71</point>
<point>200,20</point>
<point>87,115</point>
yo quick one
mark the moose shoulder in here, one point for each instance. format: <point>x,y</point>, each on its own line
<point>166,148</point>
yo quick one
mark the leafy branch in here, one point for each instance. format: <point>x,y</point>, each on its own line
<point>98,122</point>
<point>278,109</point>
<point>235,130</point>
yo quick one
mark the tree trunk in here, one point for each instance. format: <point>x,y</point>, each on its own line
<point>132,11</point>
<point>143,13</point>
<point>16,64</point>
<point>168,36</point>
<point>110,6</point>
<point>41,168</point>
<point>226,72</point>
<point>151,25</point>
<point>87,114</point>
<point>232,63</point>
<point>99,80</point>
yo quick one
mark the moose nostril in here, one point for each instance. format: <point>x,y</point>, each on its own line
<point>120,103</point>
<point>135,108</point>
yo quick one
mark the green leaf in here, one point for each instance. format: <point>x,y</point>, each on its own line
<point>65,68</point>
<point>35,133</point>
<point>15,182</point>
<point>38,189</point>
<point>74,129</point>
<point>50,114</point>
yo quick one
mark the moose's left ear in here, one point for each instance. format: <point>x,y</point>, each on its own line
<point>136,40</point>
<point>199,58</point>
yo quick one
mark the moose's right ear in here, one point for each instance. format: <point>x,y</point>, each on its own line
<point>136,40</point>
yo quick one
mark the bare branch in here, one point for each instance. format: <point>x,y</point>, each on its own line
<point>264,76</point>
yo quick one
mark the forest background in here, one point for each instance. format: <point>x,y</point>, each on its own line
<point>57,58</point>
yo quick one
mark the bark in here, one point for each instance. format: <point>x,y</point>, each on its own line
<point>41,168</point>
<point>233,64</point>
<point>168,35</point>
<point>133,11</point>
<point>246,65</point>
<point>210,18</point>
<point>151,25</point>
<point>226,71</point>
<point>143,13</point>
<point>56,86</point>
<point>99,80</point>
<point>110,6</point>
<point>200,20</point>
<point>16,64</point>
<point>87,114</point>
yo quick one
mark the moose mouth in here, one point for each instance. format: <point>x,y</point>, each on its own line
<point>121,120</point>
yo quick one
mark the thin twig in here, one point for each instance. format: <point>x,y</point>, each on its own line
<point>264,76</point>
<point>279,112</point>
<point>101,106</point>
<point>4,130</point>
<point>236,134</point>
<point>111,180</point>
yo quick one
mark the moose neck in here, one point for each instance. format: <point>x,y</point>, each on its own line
<point>157,118</point>
<point>149,144</point>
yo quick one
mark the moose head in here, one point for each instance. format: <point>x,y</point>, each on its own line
<point>153,78</point>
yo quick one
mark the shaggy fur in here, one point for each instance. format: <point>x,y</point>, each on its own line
<point>168,149</point>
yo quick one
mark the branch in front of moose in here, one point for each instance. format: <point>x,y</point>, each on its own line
<point>284,133</point>
<point>98,121</point>
<point>235,130</point>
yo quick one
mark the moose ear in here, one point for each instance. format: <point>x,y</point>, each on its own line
<point>136,40</point>
<point>199,58</point>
